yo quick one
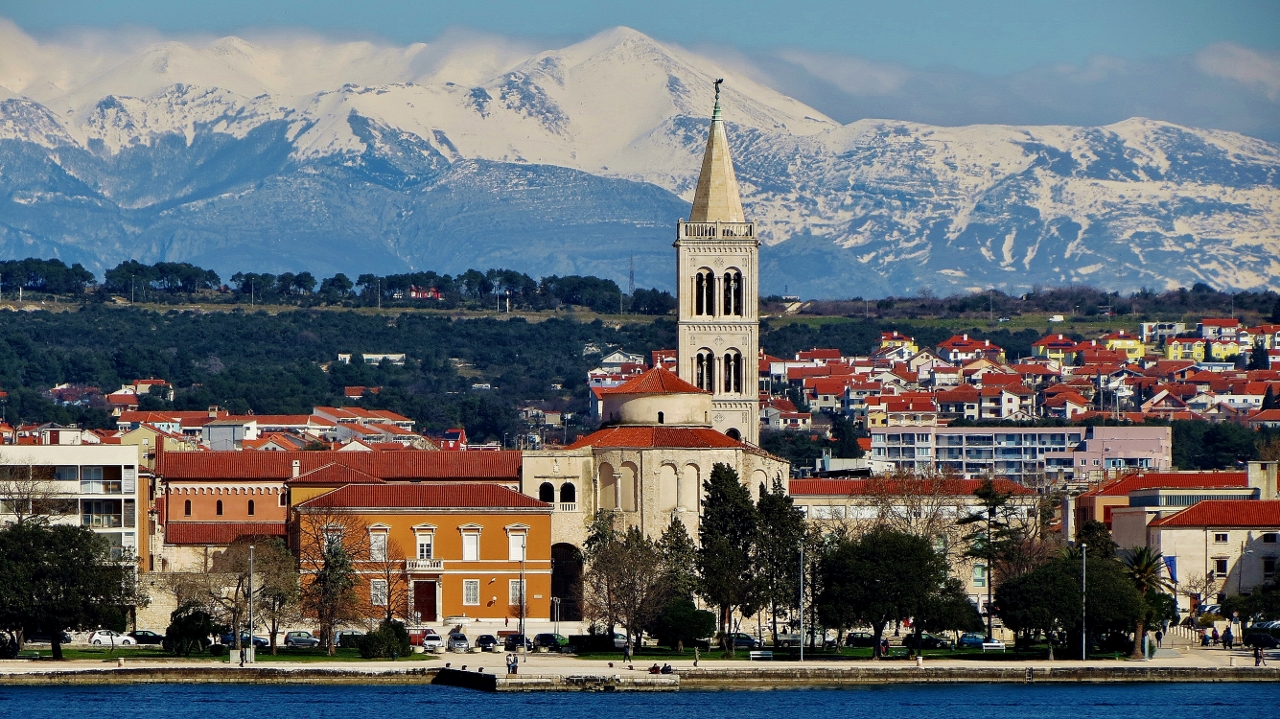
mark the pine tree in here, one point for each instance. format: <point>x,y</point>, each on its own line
<point>777,555</point>
<point>727,536</point>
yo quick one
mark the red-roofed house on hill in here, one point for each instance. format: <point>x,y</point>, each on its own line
<point>1236,541</point>
<point>647,463</point>
<point>961,349</point>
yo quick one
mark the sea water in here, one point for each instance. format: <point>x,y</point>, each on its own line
<point>980,701</point>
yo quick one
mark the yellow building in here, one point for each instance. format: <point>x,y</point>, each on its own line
<point>1131,345</point>
<point>1223,350</point>
<point>1184,348</point>
<point>895,339</point>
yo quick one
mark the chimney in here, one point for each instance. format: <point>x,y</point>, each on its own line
<point>297,466</point>
<point>1262,476</point>
<point>213,411</point>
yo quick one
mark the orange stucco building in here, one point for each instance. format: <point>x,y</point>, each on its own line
<point>460,549</point>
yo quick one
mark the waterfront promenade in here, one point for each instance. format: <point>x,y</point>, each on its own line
<point>551,672</point>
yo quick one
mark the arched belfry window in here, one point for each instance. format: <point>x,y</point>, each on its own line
<point>704,293</point>
<point>732,293</point>
<point>706,370</point>
<point>546,492</point>
<point>732,371</point>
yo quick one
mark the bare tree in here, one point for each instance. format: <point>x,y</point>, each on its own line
<point>329,545</point>
<point>27,492</point>
<point>625,581</point>
<point>388,568</point>
<point>276,587</point>
<point>1200,587</point>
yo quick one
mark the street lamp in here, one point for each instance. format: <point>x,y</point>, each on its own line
<point>524,543</point>
<point>1084,631</point>
<point>251,656</point>
<point>555,612</point>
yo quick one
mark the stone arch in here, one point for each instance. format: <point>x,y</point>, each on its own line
<point>759,478</point>
<point>731,369</point>
<point>689,491</point>
<point>705,369</point>
<point>546,492</point>
<point>733,433</point>
<point>731,285</point>
<point>568,492</point>
<point>668,488</point>
<point>704,292</point>
<point>608,498</point>
<point>627,487</point>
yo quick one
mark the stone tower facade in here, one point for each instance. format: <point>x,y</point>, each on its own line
<point>717,276</point>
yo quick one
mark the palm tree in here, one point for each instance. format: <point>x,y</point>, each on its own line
<point>1146,569</point>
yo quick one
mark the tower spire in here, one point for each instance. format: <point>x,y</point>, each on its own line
<point>716,197</point>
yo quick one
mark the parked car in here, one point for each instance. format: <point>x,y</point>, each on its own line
<point>43,637</point>
<point>512,642</point>
<point>927,641</point>
<point>741,640</point>
<point>347,638</point>
<point>142,636</point>
<point>859,639</point>
<point>301,640</point>
<point>432,641</point>
<point>487,643</point>
<point>1262,641</point>
<point>458,642</point>
<point>552,642</point>
<point>971,641</point>
<point>106,636</point>
<point>258,642</point>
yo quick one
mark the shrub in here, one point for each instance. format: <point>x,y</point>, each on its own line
<point>389,639</point>
<point>219,650</point>
<point>1208,618</point>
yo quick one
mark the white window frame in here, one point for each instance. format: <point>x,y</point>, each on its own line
<point>378,541</point>
<point>517,552</point>
<point>378,592</point>
<point>426,540</point>
<point>471,592</point>
<point>515,591</point>
<point>471,535</point>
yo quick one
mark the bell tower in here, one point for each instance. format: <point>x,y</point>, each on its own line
<point>717,276</point>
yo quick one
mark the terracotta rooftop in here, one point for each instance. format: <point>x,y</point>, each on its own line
<point>437,496</point>
<point>403,465</point>
<point>658,380</point>
<point>335,474</point>
<point>219,532</point>
<point>645,437</point>
<point>1122,486</point>
<point>1226,513</point>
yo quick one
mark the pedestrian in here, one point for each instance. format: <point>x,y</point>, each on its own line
<point>1216,636</point>
<point>626,651</point>
<point>1259,658</point>
<point>1159,638</point>
<point>242,653</point>
<point>1228,639</point>
<point>695,656</point>
<point>1204,638</point>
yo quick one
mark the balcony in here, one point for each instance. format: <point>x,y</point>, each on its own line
<point>716,230</point>
<point>567,507</point>
<point>423,565</point>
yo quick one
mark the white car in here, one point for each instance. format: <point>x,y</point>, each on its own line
<point>108,637</point>
<point>432,641</point>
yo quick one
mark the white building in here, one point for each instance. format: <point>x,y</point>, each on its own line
<point>92,485</point>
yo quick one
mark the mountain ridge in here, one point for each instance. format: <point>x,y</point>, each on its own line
<point>604,137</point>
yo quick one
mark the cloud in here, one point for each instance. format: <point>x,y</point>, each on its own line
<point>854,75</point>
<point>1249,67</point>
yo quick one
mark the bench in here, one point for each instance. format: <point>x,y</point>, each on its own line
<point>757,654</point>
<point>994,646</point>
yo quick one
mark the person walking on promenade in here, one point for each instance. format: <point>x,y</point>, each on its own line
<point>1259,657</point>
<point>242,653</point>
<point>1228,639</point>
<point>626,651</point>
<point>1159,638</point>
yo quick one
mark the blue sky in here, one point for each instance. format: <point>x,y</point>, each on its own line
<point>986,37</point>
<point>1192,62</point>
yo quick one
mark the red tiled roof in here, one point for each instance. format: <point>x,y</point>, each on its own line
<point>860,487</point>
<point>423,495</point>
<point>335,474</point>
<point>685,437</point>
<point>658,380</point>
<point>219,532</point>
<point>1220,322</point>
<point>405,465</point>
<point>1225,513</point>
<point>1122,486</point>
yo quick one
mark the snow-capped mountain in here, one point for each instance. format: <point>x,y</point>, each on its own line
<point>353,157</point>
